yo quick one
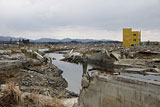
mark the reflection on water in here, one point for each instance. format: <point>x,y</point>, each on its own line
<point>71,72</point>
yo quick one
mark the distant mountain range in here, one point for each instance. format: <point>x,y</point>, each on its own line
<point>8,38</point>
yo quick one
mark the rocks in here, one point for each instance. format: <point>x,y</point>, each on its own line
<point>32,75</point>
<point>53,58</point>
<point>51,82</point>
<point>27,80</point>
<point>12,57</point>
<point>6,65</point>
<point>5,52</point>
<point>69,94</point>
<point>84,82</point>
<point>73,59</point>
<point>35,62</point>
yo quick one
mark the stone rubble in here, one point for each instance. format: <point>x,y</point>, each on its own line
<point>33,72</point>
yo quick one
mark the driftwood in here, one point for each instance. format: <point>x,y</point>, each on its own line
<point>35,70</point>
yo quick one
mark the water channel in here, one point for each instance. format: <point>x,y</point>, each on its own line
<point>71,72</point>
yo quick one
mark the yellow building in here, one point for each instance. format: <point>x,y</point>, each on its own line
<point>131,38</point>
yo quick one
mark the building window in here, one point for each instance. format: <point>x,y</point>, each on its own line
<point>133,44</point>
<point>134,34</point>
<point>134,39</point>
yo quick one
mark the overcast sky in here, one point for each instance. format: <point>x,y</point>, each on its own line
<point>96,19</point>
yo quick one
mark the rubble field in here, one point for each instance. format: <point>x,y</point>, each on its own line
<point>29,78</point>
<point>25,73</point>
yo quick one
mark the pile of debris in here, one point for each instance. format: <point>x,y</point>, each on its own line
<point>73,57</point>
<point>31,72</point>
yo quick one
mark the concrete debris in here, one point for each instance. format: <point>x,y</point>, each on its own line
<point>5,52</point>
<point>73,58</point>
<point>85,82</point>
<point>115,55</point>
<point>103,71</point>
<point>156,60</point>
<point>32,72</point>
<point>40,57</point>
<point>69,102</point>
<point>130,62</point>
<point>121,77</point>
<point>118,90</point>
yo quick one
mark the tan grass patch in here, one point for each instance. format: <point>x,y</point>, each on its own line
<point>11,96</point>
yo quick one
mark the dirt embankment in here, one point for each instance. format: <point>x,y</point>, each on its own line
<point>31,75</point>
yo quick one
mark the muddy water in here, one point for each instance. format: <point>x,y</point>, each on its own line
<point>71,72</point>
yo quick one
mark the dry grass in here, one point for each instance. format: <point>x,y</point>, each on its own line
<point>15,51</point>
<point>41,101</point>
<point>11,96</point>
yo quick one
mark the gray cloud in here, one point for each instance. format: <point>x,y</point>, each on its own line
<point>75,18</point>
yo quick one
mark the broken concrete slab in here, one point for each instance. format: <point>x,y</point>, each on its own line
<point>144,71</point>
<point>101,57</point>
<point>130,62</point>
<point>115,91</point>
<point>116,55</point>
